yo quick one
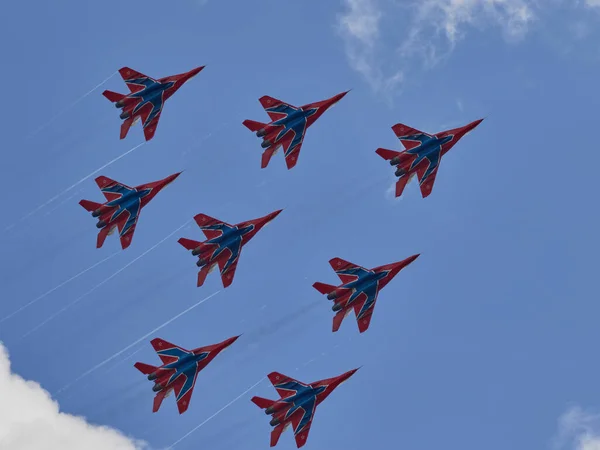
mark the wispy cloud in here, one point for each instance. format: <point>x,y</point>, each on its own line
<point>29,418</point>
<point>434,29</point>
<point>578,430</point>
<point>359,26</point>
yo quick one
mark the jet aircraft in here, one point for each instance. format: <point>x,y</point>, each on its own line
<point>422,154</point>
<point>288,126</point>
<point>297,404</point>
<point>223,245</point>
<point>146,98</point>
<point>179,370</point>
<point>122,207</point>
<point>359,289</point>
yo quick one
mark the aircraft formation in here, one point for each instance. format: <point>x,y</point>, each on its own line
<point>359,286</point>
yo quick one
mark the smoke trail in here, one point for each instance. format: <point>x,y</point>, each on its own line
<point>45,294</point>
<point>70,106</point>
<point>73,186</point>
<point>216,414</point>
<point>103,282</point>
<point>133,344</point>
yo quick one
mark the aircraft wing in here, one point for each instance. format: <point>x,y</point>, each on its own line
<point>276,109</point>
<point>364,312</point>
<point>150,126</point>
<point>339,265</point>
<point>134,79</point>
<point>409,136</point>
<point>302,427</point>
<point>278,380</point>
<point>183,387</point>
<point>211,227</point>
<point>426,183</point>
<point>112,189</point>
<point>128,236</point>
<point>228,270</point>
<point>291,148</point>
<point>167,352</point>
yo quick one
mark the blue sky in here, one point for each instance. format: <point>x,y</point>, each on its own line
<point>487,340</point>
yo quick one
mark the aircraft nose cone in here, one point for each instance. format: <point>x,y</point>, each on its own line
<point>172,178</point>
<point>232,340</point>
<point>338,97</point>
<point>196,71</point>
<point>411,259</point>
<point>349,374</point>
<point>472,125</point>
<point>273,215</point>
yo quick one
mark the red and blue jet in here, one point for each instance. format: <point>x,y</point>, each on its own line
<point>359,289</point>
<point>146,99</point>
<point>297,404</point>
<point>123,206</point>
<point>422,155</point>
<point>223,245</point>
<point>288,126</point>
<point>179,370</point>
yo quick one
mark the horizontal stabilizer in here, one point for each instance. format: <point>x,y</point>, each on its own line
<point>89,205</point>
<point>204,273</point>
<point>252,125</point>
<point>324,288</point>
<point>266,157</point>
<point>189,244</point>
<point>276,434</point>
<point>125,126</point>
<point>387,154</point>
<point>158,400</point>
<point>263,403</point>
<point>104,232</point>
<point>113,96</point>
<point>146,369</point>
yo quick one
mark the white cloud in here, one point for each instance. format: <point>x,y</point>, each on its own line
<point>438,25</point>
<point>30,419</point>
<point>592,3</point>
<point>434,28</point>
<point>579,430</point>
<point>359,26</point>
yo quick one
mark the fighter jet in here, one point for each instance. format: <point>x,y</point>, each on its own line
<point>297,404</point>
<point>288,126</point>
<point>123,206</point>
<point>179,370</point>
<point>359,289</point>
<point>223,245</point>
<point>146,99</point>
<point>422,155</point>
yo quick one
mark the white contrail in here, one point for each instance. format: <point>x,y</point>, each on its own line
<point>103,282</point>
<point>74,185</point>
<point>217,413</point>
<point>45,294</point>
<point>70,106</point>
<point>133,344</point>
